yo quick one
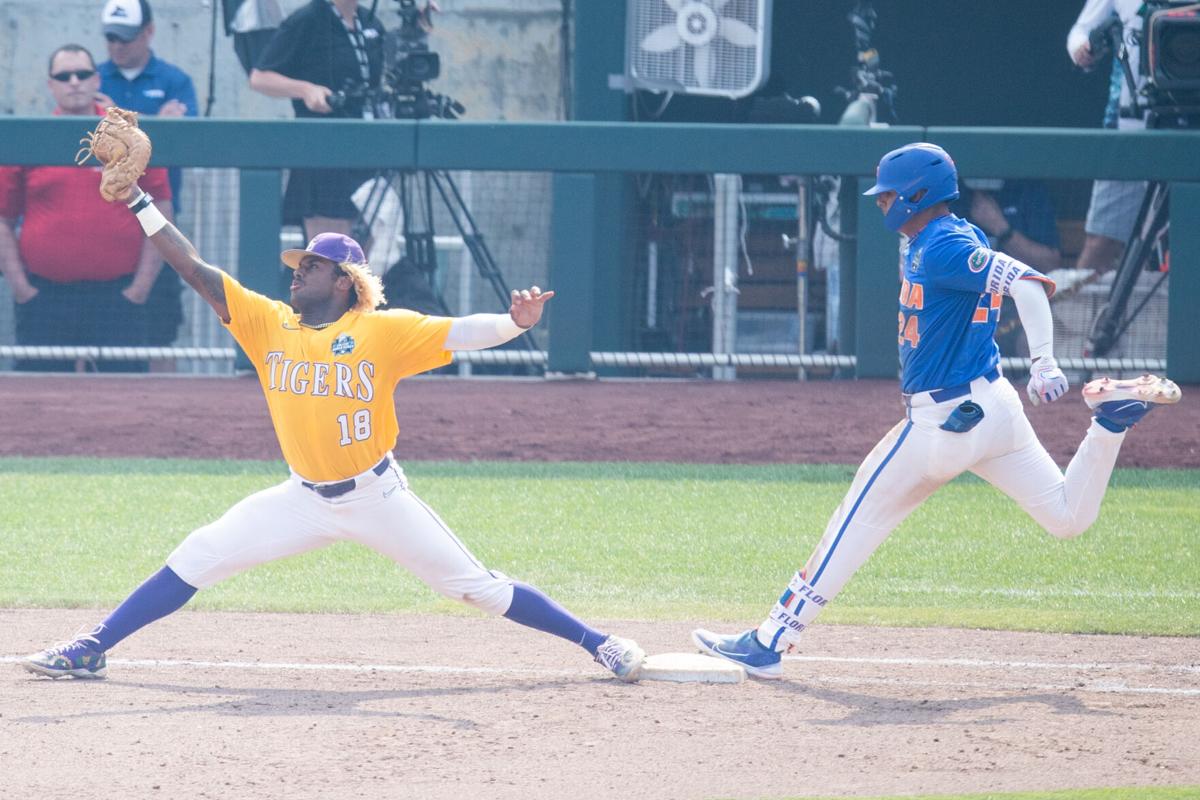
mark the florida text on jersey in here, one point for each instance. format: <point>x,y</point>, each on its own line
<point>950,292</point>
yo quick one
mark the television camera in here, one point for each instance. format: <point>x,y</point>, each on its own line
<point>1170,51</point>
<point>408,64</point>
<point>1166,90</point>
<point>1169,70</point>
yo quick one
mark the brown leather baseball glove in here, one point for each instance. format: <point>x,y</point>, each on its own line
<point>122,147</point>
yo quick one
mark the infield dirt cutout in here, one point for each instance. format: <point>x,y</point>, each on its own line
<point>231,705</point>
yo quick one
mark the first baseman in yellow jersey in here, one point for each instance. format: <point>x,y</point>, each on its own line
<point>329,363</point>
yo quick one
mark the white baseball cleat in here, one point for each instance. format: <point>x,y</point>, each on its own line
<point>1147,389</point>
<point>622,656</point>
<point>1123,403</point>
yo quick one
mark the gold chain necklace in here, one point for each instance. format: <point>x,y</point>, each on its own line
<point>319,326</point>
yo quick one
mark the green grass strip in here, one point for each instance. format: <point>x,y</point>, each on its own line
<point>646,541</point>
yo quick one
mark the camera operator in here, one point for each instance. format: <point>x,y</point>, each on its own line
<point>1115,204</point>
<point>321,49</point>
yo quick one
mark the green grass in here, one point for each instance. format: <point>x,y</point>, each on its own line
<point>647,541</point>
<point>1141,793</point>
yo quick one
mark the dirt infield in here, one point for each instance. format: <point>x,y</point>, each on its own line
<point>696,421</point>
<point>207,705</point>
<point>238,705</point>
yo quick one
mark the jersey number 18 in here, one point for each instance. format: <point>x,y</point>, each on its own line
<point>361,427</point>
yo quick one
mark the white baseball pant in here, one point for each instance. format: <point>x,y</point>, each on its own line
<point>914,459</point>
<point>380,512</point>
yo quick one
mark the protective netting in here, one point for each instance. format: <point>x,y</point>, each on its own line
<point>711,286</point>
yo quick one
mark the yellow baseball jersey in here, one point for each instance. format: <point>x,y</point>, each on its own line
<point>331,392</point>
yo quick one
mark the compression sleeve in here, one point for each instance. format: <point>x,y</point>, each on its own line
<point>1034,310</point>
<point>481,331</point>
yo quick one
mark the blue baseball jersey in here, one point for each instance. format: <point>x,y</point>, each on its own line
<point>950,295</point>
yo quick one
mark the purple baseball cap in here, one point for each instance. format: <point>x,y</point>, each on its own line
<point>337,247</point>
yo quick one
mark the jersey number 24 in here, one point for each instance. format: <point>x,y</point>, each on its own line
<point>909,330</point>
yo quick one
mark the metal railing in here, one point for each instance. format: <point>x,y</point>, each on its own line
<point>598,358</point>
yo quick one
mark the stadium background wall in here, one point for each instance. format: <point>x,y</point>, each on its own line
<point>976,84</point>
<point>504,59</point>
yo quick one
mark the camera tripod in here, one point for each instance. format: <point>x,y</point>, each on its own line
<point>416,192</point>
<point>1146,250</point>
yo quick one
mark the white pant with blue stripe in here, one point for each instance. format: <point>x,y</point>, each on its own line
<point>381,513</point>
<point>914,459</point>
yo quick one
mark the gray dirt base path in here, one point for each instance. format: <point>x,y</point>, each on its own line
<point>234,705</point>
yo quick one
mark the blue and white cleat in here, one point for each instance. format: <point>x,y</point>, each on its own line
<point>1123,403</point>
<point>80,658</point>
<point>622,657</point>
<point>743,649</point>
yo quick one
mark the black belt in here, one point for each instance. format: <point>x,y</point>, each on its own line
<point>952,392</point>
<point>341,487</point>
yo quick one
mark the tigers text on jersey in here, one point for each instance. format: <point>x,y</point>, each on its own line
<point>950,293</point>
<point>331,391</point>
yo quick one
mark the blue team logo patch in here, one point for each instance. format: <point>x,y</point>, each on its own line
<point>343,345</point>
<point>916,261</point>
<point>979,259</point>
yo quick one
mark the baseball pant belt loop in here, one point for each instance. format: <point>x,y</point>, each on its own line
<point>949,393</point>
<point>331,490</point>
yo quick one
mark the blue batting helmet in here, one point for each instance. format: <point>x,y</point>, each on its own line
<point>909,169</point>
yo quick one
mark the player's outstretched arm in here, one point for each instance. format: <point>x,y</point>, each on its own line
<point>124,149</point>
<point>177,251</point>
<point>481,331</point>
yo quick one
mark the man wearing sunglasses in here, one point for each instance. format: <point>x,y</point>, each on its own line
<point>80,273</point>
<point>137,79</point>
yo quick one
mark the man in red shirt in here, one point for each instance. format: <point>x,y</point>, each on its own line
<point>79,269</point>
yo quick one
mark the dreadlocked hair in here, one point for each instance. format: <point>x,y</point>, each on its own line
<point>367,289</point>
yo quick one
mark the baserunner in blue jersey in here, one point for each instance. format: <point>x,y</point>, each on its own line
<point>962,414</point>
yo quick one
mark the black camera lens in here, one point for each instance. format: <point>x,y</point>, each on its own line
<point>1181,51</point>
<point>420,66</point>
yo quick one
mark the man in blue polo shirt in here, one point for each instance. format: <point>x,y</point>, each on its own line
<point>133,76</point>
<point>136,79</point>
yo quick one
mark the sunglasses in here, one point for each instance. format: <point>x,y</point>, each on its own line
<point>112,38</point>
<point>80,75</point>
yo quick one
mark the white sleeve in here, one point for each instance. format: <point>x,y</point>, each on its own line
<point>1093,14</point>
<point>1034,310</point>
<point>481,331</point>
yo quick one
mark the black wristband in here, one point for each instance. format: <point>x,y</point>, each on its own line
<point>140,202</point>
<point>1003,238</point>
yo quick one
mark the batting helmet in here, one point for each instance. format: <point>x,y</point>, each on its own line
<point>909,169</point>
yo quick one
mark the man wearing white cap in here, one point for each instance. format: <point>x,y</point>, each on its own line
<point>133,76</point>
